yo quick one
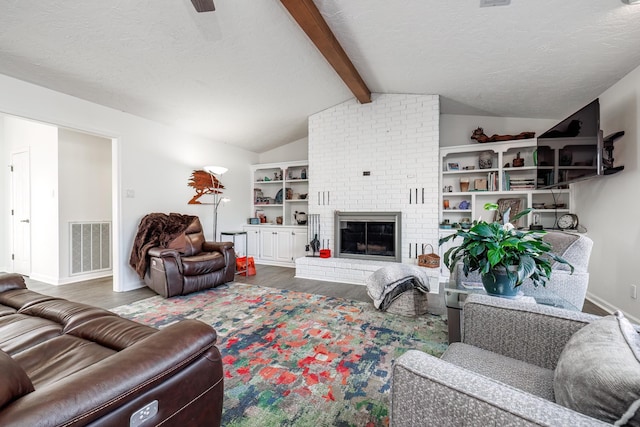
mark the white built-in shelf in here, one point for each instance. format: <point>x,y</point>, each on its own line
<point>502,153</point>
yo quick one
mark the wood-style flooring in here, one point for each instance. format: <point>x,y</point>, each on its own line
<point>99,292</point>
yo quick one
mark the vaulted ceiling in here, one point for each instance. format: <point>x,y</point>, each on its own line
<point>247,75</point>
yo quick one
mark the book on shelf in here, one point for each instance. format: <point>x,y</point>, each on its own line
<point>512,184</point>
<point>492,181</point>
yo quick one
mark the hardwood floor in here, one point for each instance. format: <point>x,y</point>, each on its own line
<point>99,292</point>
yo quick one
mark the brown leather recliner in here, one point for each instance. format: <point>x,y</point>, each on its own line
<point>190,264</point>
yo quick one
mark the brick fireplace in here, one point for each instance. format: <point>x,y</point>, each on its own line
<point>377,157</point>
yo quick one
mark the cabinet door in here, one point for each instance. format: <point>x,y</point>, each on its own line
<point>298,243</point>
<point>253,243</point>
<point>283,245</point>
<point>268,244</point>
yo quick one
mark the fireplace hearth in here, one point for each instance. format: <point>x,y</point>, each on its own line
<point>368,235</point>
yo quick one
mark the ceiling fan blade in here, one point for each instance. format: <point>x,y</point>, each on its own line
<point>203,5</point>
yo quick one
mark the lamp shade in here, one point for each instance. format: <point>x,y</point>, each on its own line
<point>216,170</point>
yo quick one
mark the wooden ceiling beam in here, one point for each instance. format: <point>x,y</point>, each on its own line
<point>313,24</point>
<point>203,5</point>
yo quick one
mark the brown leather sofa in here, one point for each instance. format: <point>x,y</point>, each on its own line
<point>68,364</point>
<point>187,263</point>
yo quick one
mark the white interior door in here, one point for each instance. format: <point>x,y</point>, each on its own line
<point>21,212</point>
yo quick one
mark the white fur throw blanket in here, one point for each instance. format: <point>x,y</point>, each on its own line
<point>387,283</point>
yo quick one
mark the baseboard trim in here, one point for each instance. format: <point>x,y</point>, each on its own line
<point>610,308</point>
<point>56,281</point>
<point>274,263</point>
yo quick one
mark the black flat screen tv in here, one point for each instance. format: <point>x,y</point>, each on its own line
<point>572,150</point>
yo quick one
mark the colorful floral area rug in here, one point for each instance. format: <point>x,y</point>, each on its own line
<point>297,359</point>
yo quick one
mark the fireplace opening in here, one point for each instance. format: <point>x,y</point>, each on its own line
<point>368,235</point>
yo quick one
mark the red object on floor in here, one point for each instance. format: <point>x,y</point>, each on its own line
<point>243,268</point>
<point>325,253</point>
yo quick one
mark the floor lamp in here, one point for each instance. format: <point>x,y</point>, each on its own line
<point>215,172</point>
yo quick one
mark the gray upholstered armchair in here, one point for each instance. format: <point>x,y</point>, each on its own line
<point>516,363</point>
<point>575,248</point>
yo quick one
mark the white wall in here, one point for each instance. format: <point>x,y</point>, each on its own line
<point>84,182</point>
<point>4,212</point>
<point>609,206</point>
<point>153,160</point>
<point>296,150</point>
<point>395,137</point>
<point>42,143</point>
<point>457,129</point>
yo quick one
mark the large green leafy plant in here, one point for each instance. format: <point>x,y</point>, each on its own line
<point>487,246</point>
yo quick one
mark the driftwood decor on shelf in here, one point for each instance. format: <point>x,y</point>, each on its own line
<point>480,136</point>
<point>204,183</point>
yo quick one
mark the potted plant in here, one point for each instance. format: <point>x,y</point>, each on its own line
<point>503,255</point>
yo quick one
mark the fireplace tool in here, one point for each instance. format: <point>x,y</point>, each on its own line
<point>313,231</point>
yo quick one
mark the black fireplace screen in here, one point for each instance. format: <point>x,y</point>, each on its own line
<point>368,235</point>
<point>367,238</point>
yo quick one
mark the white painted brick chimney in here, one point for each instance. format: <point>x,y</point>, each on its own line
<point>396,139</point>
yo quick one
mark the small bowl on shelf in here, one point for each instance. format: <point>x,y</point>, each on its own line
<point>538,205</point>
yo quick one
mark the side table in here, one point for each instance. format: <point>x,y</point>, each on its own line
<point>233,235</point>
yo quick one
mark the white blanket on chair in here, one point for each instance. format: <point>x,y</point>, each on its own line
<point>384,280</point>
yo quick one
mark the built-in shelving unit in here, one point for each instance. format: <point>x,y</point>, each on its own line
<point>279,190</point>
<point>499,180</point>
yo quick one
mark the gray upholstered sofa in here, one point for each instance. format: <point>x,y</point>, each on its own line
<point>575,248</point>
<point>515,362</point>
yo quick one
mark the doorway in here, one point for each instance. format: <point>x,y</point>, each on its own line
<point>61,177</point>
<point>21,213</point>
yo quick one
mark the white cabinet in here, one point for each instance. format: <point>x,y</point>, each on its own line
<point>268,244</point>
<point>299,241</point>
<point>276,245</point>
<point>253,242</point>
<point>509,171</point>
<point>279,190</point>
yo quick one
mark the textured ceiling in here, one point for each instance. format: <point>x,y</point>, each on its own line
<point>248,76</point>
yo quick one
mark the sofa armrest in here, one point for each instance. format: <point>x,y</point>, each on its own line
<point>229,253</point>
<point>533,333</point>
<point>10,281</point>
<point>217,246</point>
<point>159,252</point>
<point>121,379</point>
<point>426,389</point>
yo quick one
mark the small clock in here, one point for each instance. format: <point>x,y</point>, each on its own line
<point>568,222</point>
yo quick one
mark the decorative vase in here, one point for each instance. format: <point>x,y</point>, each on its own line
<point>498,283</point>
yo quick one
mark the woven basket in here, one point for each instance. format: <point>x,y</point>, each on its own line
<point>410,303</point>
<point>429,260</point>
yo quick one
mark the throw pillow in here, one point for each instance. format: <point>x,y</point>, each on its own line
<point>598,372</point>
<point>14,382</point>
